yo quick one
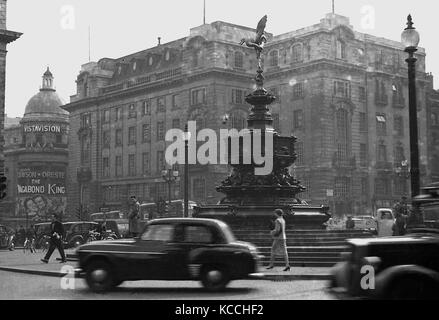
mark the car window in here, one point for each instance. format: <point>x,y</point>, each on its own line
<point>197,234</point>
<point>386,216</point>
<point>159,232</point>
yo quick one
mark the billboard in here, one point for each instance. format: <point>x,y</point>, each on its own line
<point>41,191</point>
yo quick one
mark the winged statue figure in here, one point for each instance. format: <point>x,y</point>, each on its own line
<point>260,40</point>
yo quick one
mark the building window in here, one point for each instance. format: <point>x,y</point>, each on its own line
<point>382,187</point>
<point>297,53</point>
<point>119,167</point>
<point>342,138</point>
<point>365,187</point>
<point>398,124</point>
<point>298,91</point>
<point>239,59</point>
<point>434,119</point>
<point>237,96</point>
<point>276,122</point>
<point>362,93</point>
<point>105,167</point>
<point>399,156</point>
<point>39,139</point>
<point>380,93</point>
<point>397,96</point>
<point>132,111</point>
<point>132,135</point>
<point>146,133</point>
<point>238,121</point>
<point>160,131</point>
<point>382,153</point>
<point>119,138</point>
<point>146,163</point>
<point>86,120</point>
<point>363,155</point>
<point>146,107</point>
<point>341,50</point>
<point>176,123</point>
<point>58,139</point>
<point>298,119</point>
<point>275,92</point>
<point>363,122</point>
<point>342,187</point>
<point>175,101</point>
<point>381,125</point>
<point>274,58</point>
<point>342,89</point>
<point>300,153</point>
<point>85,150</point>
<point>161,104</point>
<point>160,161</point>
<point>199,188</point>
<point>399,186</point>
<point>198,96</point>
<point>106,116</point>
<point>118,114</point>
<point>131,164</point>
<point>106,139</point>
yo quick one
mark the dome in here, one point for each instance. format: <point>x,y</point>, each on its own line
<point>47,101</point>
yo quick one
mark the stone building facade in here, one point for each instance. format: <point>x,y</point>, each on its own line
<point>342,93</point>
<point>433,135</point>
<point>36,154</point>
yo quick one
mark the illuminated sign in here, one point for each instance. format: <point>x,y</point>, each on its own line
<point>42,128</point>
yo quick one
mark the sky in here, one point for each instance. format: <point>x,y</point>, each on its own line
<point>56,32</point>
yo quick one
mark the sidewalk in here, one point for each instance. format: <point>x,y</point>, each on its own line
<point>20,262</point>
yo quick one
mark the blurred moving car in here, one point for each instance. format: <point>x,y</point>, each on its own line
<point>170,249</point>
<point>429,202</point>
<point>392,268</point>
<point>385,220</point>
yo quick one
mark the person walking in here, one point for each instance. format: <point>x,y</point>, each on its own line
<point>31,236</point>
<point>134,216</point>
<point>279,247</point>
<point>56,239</point>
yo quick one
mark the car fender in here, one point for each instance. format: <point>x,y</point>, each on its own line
<point>219,255</point>
<point>387,277</point>
<point>78,236</point>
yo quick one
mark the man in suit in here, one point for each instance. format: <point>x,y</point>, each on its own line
<point>134,216</point>
<point>56,239</point>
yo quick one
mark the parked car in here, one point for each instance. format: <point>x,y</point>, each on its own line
<point>403,267</point>
<point>366,223</point>
<point>170,249</point>
<point>385,220</point>
<point>42,230</point>
<point>120,227</point>
<point>77,233</point>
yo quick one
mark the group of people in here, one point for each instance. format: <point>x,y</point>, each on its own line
<point>23,237</point>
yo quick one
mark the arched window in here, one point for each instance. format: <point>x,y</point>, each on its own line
<point>239,59</point>
<point>238,121</point>
<point>297,53</point>
<point>341,50</point>
<point>274,58</point>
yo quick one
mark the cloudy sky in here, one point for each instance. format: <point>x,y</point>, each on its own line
<point>56,31</point>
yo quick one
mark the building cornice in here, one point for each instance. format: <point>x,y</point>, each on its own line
<point>7,36</point>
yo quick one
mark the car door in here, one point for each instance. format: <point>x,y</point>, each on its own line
<point>150,251</point>
<point>385,223</point>
<point>189,236</point>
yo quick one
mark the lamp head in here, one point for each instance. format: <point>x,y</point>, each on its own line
<point>410,37</point>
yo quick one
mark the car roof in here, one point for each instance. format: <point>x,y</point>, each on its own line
<point>412,238</point>
<point>188,221</point>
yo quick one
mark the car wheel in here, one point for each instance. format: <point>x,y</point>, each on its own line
<point>99,276</point>
<point>214,278</point>
<point>77,242</point>
<point>413,289</point>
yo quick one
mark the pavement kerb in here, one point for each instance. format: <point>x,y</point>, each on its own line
<point>266,277</point>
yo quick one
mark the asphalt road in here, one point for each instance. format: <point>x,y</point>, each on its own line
<point>24,287</point>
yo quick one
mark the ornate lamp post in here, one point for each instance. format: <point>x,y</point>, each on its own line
<point>410,39</point>
<point>404,172</point>
<point>170,176</point>
<point>186,138</point>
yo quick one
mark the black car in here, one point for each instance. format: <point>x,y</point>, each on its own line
<point>77,233</point>
<point>393,268</point>
<point>170,249</point>
<point>42,231</point>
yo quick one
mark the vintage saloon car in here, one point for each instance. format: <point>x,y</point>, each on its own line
<point>170,249</point>
<point>393,268</point>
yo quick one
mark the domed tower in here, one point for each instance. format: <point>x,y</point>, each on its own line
<point>37,165</point>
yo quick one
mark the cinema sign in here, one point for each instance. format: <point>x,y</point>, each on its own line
<point>36,128</point>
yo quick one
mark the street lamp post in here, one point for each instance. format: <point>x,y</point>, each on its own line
<point>410,38</point>
<point>186,138</point>
<point>170,176</point>
<point>403,171</point>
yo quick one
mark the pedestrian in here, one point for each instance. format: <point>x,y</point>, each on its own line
<point>21,235</point>
<point>279,247</point>
<point>56,239</point>
<point>400,226</point>
<point>31,236</point>
<point>350,224</point>
<point>134,216</point>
